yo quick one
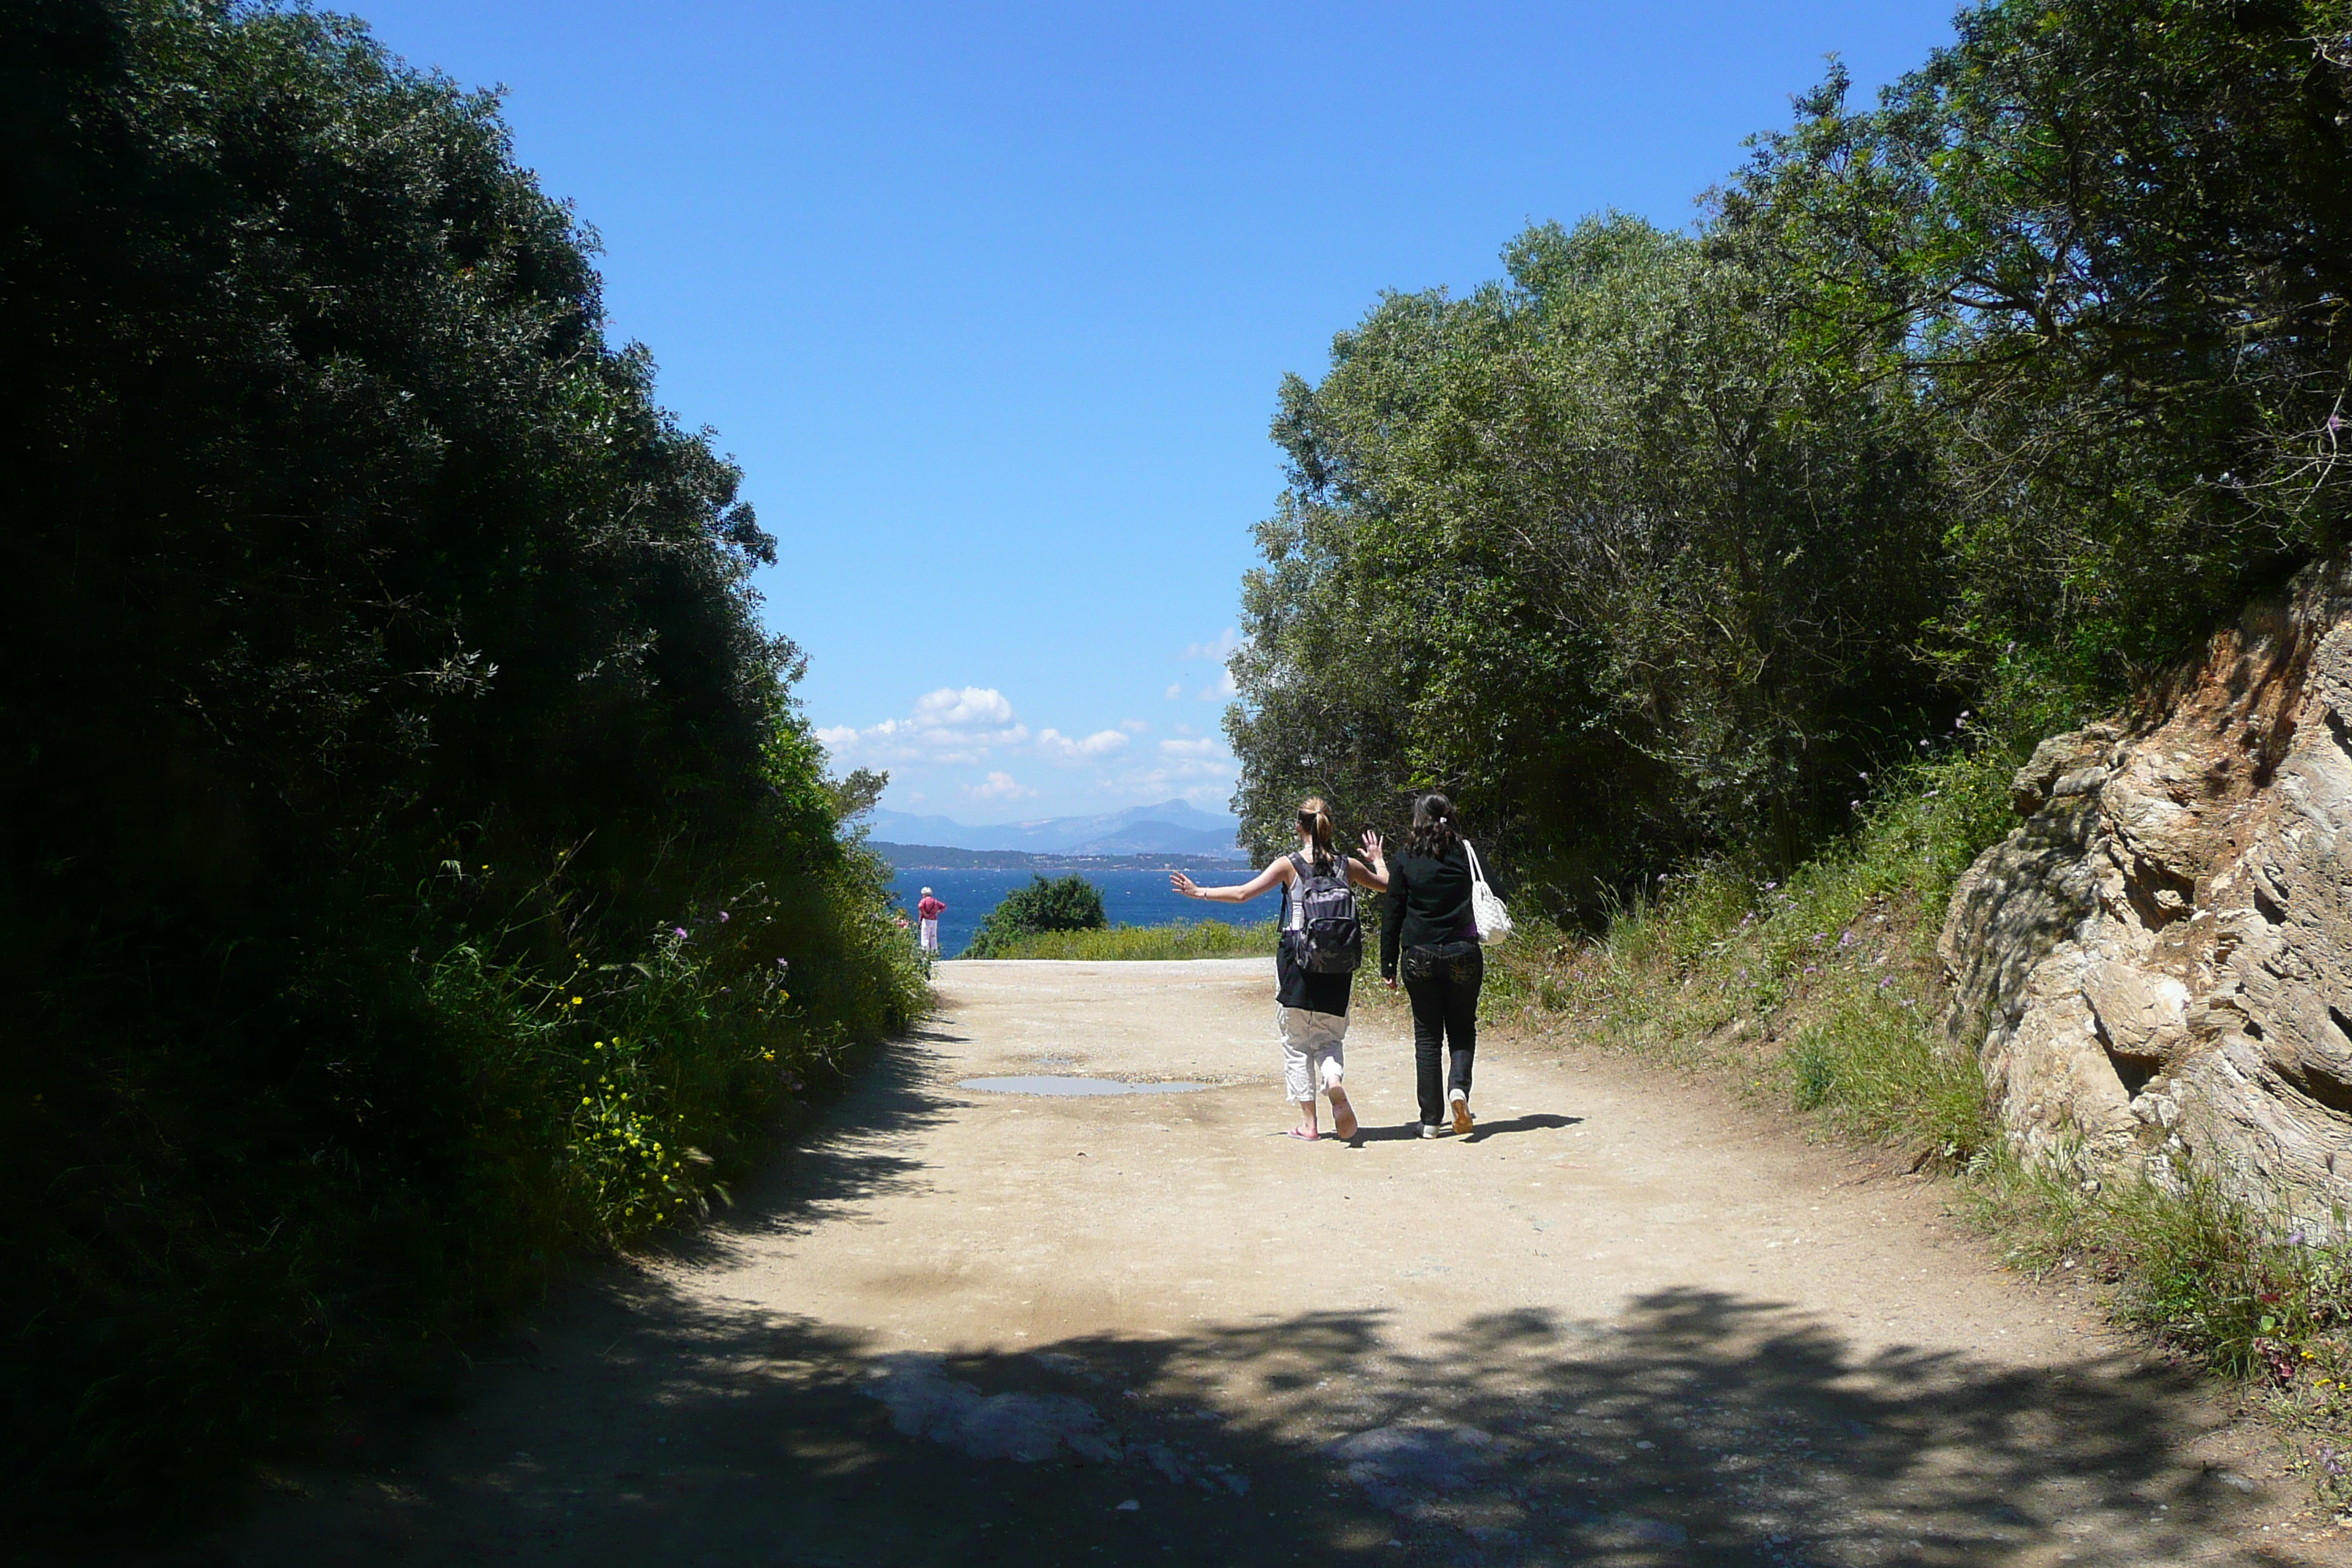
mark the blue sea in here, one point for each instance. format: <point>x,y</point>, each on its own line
<point>1129,899</point>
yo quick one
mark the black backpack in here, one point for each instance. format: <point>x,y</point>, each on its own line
<point>1329,939</point>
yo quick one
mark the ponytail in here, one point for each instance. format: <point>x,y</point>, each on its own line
<point>1314,824</point>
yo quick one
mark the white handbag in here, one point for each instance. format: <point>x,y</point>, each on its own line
<point>1487,910</point>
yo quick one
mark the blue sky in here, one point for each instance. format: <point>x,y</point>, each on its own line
<point>990,301</point>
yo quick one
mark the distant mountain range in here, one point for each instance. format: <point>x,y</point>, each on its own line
<point>937,858</point>
<point>1170,827</point>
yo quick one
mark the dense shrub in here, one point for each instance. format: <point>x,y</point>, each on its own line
<point>1066,903</point>
<point>389,726</point>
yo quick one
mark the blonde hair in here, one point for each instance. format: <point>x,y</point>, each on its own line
<point>1315,822</point>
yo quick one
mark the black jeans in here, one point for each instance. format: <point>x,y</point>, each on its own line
<point>1442,983</point>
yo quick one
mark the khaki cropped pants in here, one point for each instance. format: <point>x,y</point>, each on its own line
<point>1313,1059</point>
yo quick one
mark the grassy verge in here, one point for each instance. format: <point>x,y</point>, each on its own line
<point>1818,993</point>
<point>2252,1296</point>
<point>1818,989</point>
<point>1179,939</point>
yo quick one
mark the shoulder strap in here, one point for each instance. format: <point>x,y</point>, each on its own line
<point>1476,874</point>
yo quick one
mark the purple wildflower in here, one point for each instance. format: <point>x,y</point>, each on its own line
<point>678,932</point>
<point>722,916</point>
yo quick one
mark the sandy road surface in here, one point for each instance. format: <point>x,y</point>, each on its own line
<point>1623,1325</point>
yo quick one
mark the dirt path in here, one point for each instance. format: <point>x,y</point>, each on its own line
<point>1623,1325</point>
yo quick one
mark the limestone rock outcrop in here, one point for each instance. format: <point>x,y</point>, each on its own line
<point>2156,968</point>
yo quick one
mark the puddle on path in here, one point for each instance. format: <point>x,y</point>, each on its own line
<point>1049,1084</point>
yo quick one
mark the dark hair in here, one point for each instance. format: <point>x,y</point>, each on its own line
<point>1432,826</point>
<point>1314,821</point>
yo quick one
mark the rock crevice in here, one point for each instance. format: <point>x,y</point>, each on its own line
<point>2155,967</point>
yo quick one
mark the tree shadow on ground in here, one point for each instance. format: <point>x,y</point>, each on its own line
<point>1701,1428</point>
<point>846,1161</point>
<point>651,1422</point>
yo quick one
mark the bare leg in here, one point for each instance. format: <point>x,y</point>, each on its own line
<point>1307,1127</point>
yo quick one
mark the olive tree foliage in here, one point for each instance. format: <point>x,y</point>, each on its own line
<point>1599,551</point>
<point>2110,243</point>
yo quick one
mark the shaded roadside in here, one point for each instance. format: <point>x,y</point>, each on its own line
<point>1704,1428</point>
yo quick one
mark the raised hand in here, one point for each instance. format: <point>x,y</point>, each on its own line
<point>1184,884</point>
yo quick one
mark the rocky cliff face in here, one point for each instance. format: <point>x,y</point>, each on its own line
<point>2156,968</point>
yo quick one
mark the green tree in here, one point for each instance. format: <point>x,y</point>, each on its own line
<point>1065,903</point>
<point>2114,242</point>
<point>1599,551</point>
<point>379,655</point>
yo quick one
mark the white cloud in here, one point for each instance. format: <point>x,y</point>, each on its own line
<point>956,743</point>
<point>1224,690</point>
<point>1175,689</point>
<point>998,786</point>
<point>1062,749</point>
<point>1219,648</point>
<point>1203,747</point>
<point>950,725</point>
<point>970,707</point>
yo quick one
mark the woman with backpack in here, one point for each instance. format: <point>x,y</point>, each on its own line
<point>1429,933</point>
<point>1315,961</point>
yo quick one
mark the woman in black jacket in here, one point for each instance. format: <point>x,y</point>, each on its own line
<point>1427,934</point>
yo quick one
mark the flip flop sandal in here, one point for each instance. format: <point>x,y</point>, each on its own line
<point>1304,1137</point>
<point>1343,1118</point>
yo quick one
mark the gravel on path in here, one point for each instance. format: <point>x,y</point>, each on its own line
<point>1624,1323</point>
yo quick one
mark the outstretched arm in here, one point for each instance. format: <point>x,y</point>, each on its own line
<point>1372,871</point>
<point>1241,894</point>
